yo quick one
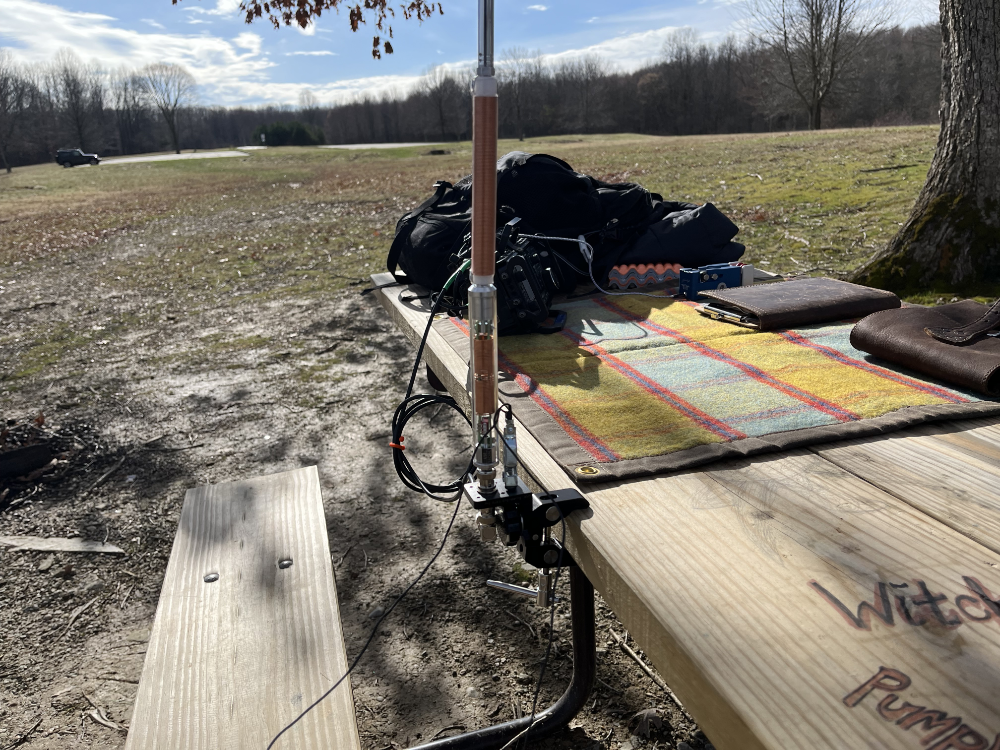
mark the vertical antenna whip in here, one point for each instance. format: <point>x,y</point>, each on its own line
<point>482,292</point>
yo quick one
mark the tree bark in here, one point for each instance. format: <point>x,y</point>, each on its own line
<point>951,242</point>
<point>171,119</point>
<point>815,116</point>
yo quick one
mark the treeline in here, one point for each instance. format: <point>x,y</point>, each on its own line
<point>692,88</point>
<point>71,104</point>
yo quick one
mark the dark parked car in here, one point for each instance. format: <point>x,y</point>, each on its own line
<point>71,157</point>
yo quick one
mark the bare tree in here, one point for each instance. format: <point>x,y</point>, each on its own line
<point>517,75</point>
<point>128,95</point>
<point>445,96</point>
<point>586,77</point>
<point>43,132</point>
<point>307,99</point>
<point>775,104</point>
<point>680,45</point>
<point>814,42</point>
<point>79,94</point>
<point>169,88</point>
<point>14,90</point>
<point>951,242</point>
<point>309,109</point>
<point>695,87</point>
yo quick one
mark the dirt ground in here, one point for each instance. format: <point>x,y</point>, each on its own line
<point>198,323</point>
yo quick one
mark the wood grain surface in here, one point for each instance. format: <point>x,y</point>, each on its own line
<point>790,600</point>
<point>232,661</point>
<point>58,544</point>
<point>950,471</point>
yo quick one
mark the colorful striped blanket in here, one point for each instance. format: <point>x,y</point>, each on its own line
<point>635,385</point>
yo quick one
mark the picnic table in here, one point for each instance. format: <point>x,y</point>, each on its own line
<point>845,595</point>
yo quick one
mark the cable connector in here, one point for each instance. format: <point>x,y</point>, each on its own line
<point>509,452</point>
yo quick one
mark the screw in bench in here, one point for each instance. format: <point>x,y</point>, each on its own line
<point>211,577</point>
<point>286,563</point>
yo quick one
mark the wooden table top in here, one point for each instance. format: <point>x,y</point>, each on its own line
<point>842,596</point>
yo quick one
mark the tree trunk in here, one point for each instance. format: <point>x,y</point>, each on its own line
<point>172,125</point>
<point>951,242</point>
<point>816,116</point>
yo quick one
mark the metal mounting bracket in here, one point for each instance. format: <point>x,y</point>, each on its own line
<point>522,519</point>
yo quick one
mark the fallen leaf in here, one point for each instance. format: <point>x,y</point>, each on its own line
<point>98,715</point>
<point>75,614</point>
<point>645,721</point>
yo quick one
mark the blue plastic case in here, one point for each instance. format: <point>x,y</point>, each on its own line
<point>694,281</point>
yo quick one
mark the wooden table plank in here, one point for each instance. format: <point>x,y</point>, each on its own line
<point>231,662</point>
<point>950,471</point>
<point>742,583</point>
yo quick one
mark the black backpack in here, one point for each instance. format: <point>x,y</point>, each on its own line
<point>554,200</point>
<point>430,234</point>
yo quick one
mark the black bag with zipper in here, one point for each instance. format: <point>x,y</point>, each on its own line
<point>554,200</point>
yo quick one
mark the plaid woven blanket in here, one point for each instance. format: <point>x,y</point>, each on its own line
<point>636,385</point>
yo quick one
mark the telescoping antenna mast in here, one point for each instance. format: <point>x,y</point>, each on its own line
<point>482,292</point>
<point>525,519</point>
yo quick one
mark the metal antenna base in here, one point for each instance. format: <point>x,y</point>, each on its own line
<point>522,518</point>
<point>559,714</point>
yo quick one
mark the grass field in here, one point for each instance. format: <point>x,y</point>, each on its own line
<point>803,201</point>
<point>297,223</point>
<point>210,308</point>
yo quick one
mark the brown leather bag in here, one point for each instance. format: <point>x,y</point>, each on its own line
<point>919,338</point>
<point>800,302</point>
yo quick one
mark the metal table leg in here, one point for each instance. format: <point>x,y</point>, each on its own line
<point>569,704</point>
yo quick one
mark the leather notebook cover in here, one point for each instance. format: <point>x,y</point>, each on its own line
<point>789,304</point>
<point>898,336</point>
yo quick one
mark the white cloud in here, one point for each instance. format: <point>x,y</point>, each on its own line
<point>309,30</point>
<point>538,7</point>
<point>228,72</point>
<point>626,52</point>
<point>374,87</point>
<point>248,40</point>
<point>154,24</point>
<point>222,8</point>
<point>237,70</point>
<point>226,7</point>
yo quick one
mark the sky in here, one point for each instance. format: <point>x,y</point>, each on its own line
<point>236,63</point>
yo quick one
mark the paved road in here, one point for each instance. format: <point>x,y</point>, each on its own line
<point>378,145</point>
<point>243,152</point>
<point>172,157</point>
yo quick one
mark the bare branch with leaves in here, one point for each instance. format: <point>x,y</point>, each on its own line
<point>304,12</point>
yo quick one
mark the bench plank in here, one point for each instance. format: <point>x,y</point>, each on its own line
<point>231,662</point>
<point>950,471</point>
<point>720,575</point>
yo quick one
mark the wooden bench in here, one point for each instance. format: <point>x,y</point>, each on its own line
<point>247,631</point>
<point>839,597</point>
